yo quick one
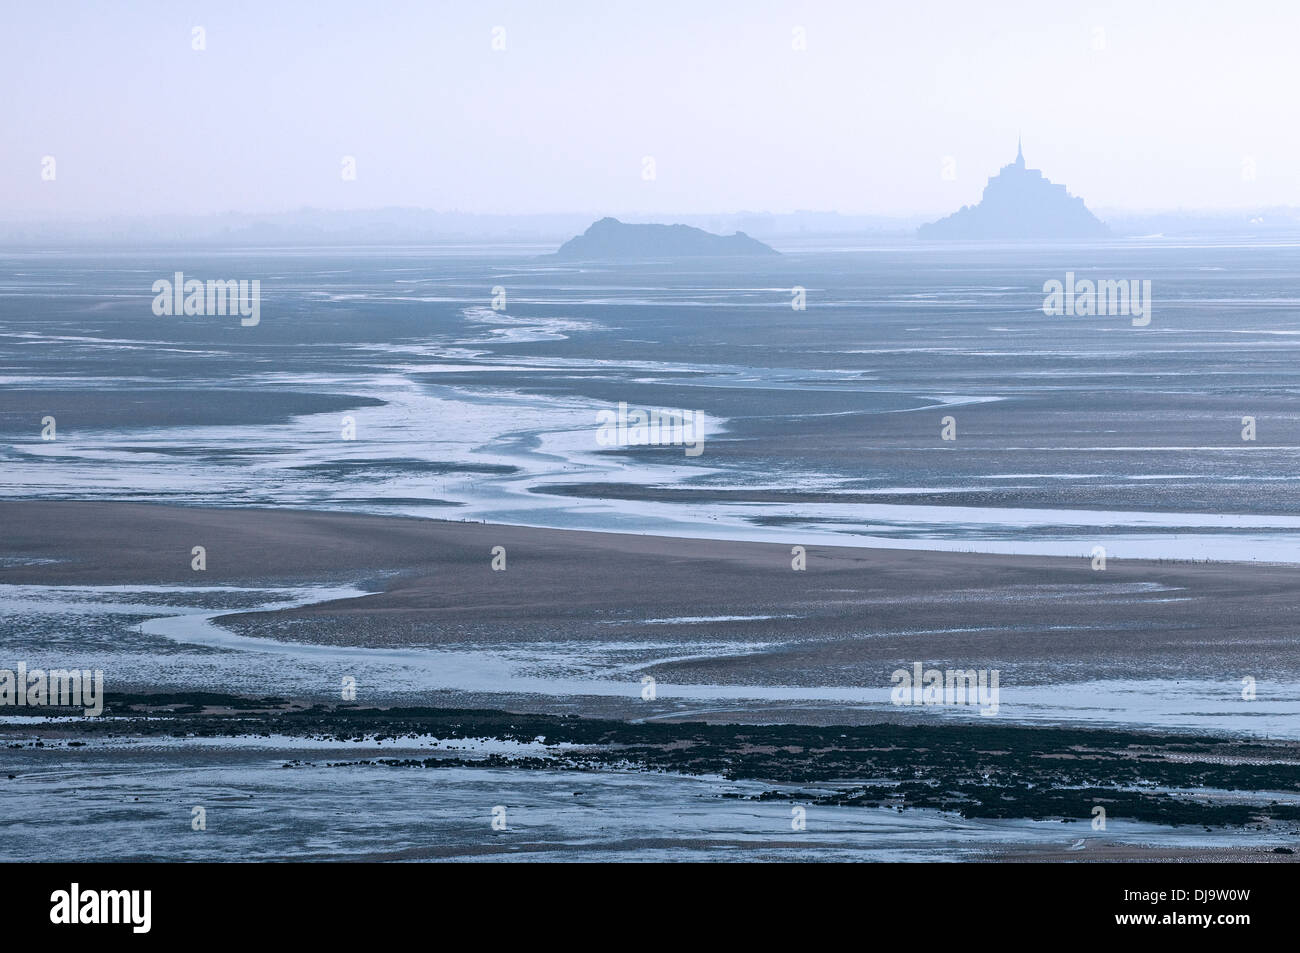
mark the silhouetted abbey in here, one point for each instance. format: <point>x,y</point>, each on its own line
<point>1019,203</point>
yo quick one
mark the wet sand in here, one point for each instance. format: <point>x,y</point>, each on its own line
<point>850,618</point>
<point>654,789</point>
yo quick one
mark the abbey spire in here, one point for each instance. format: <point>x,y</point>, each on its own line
<point>1020,204</point>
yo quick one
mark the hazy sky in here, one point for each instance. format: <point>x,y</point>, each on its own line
<point>1132,104</point>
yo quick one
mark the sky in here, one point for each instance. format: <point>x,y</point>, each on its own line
<point>884,108</point>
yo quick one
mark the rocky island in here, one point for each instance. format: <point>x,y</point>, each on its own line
<point>611,239</point>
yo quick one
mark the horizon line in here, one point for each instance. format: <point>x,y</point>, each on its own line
<point>595,215</point>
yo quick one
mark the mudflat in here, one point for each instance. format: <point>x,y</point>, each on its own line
<point>769,645</point>
<point>851,617</point>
